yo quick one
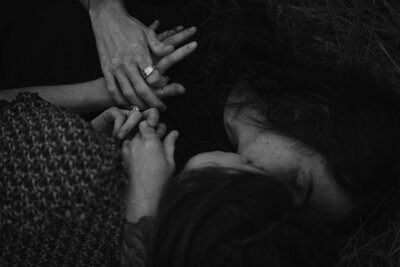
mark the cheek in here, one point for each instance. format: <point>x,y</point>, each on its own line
<point>273,159</point>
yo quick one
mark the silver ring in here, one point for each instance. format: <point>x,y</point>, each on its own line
<point>134,108</point>
<point>146,72</point>
<point>162,91</point>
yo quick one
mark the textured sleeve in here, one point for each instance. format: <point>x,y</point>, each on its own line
<point>60,186</point>
<point>136,242</point>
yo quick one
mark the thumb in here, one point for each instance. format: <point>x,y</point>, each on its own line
<point>154,25</point>
<point>156,47</point>
<point>125,150</point>
<point>169,146</point>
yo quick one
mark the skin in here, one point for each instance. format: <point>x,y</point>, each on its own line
<point>126,47</point>
<point>303,170</point>
<point>150,164</point>
<point>93,96</point>
<point>221,159</point>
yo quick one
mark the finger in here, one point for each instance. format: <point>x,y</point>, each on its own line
<point>169,145</point>
<point>127,89</point>
<point>166,62</point>
<point>156,79</point>
<point>157,47</point>
<point>132,120</point>
<point>163,81</point>
<point>154,25</point>
<point>152,116</point>
<point>166,34</point>
<point>119,119</point>
<point>161,130</point>
<point>180,37</point>
<point>113,90</point>
<point>146,131</point>
<point>145,93</point>
<point>171,89</point>
<point>144,60</point>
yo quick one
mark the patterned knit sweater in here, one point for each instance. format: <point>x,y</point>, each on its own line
<point>60,186</point>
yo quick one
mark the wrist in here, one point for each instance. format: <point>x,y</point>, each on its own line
<point>133,213</point>
<point>139,203</point>
<point>98,7</point>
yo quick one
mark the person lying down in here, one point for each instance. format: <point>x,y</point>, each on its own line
<point>62,185</point>
<point>218,211</point>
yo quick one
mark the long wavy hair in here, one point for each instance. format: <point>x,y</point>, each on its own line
<point>347,115</point>
<point>225,217</point>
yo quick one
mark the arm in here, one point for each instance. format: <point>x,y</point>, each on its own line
<point>80,98</point>
<point>149,164</point>
<point>97,5</point>
<point>93,96</point>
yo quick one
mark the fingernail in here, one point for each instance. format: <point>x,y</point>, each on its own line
<point>179,28</point>
<point>192,45</point>
<point>120,135</point>
<point>181,90</point>
<point>192,28</point>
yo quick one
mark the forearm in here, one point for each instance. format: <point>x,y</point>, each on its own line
<point>87,97</point>
<point>96,6</point>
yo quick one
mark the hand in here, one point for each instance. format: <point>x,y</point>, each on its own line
<point>116,122</point>
<point>125,48</point>
<point>174,37</point>
<point>121,123</point>
<point>150,162</point>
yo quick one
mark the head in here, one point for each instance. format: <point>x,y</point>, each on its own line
<point>331,136</point>
<point>334,131</point>
<point>213,216</point>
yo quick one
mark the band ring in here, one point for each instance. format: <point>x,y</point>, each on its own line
<point>146,72</point>
<point>134,108</point>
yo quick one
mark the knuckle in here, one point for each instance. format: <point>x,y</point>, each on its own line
<point>128,93</point>
<point>153,111</point>
<point>114,63</point>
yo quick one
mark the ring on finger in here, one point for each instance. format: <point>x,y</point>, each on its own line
<point>132,109</point>
<point>146,72</point>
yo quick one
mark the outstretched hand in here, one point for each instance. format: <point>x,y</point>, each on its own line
<point>150,163</point>
<point>126,47</point>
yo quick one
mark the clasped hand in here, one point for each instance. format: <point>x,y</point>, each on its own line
<point>126,47</point>
<point>150,163</point>
<point>148,156</point>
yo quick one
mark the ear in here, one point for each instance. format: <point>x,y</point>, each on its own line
<point>302,188</point>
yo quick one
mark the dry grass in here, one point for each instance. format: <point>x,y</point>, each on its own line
<point>366,34</point>
<point>377,241</point>
<point>363,33</point>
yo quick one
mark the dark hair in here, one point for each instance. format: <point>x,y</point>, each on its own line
<point>348,116</point>
<point>226,217</point>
